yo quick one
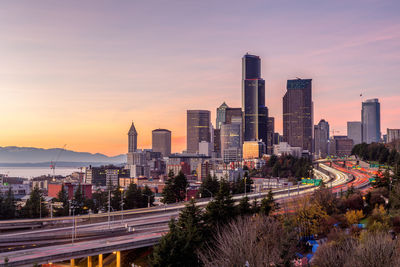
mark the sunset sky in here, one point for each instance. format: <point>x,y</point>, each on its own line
<point>78,72</point>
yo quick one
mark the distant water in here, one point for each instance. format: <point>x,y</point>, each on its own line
<point>30,172</point>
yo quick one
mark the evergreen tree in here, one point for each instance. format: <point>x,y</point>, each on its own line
<point>175,189</point>
<point>244,207</point>
<point>178,247</point>
<point>116,198</point>
<point>35,206</point>
<point>133,197</point>
<point>7,205</point>
<point>268,204</point>
<point>99,201</point>
<point>147,195</point>
<point>221,210</point>
<point>62,197</point>
<point>210,184</point>
<point>79,202</point>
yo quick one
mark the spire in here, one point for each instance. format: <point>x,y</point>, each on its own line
<point>223,106</point>
<point>132,130</point>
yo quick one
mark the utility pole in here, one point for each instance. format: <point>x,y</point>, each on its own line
<point>109,203</point>
<point>122,205</point>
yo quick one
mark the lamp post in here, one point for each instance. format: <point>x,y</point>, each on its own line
<point>109,203</point>
<point>122,205</point>
<point>148,200</point>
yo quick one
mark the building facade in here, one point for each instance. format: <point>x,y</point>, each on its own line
<point>253,149</point>
<point>255,113</point>
<point>321,137</point>
<point>354,131</point>
<point>298,114</point>
<point>198,129</point>
<point>371,121</point>
<point>230,139</point>
<point>161,141</point>
<point>392,135</point>
<point>221,115</point>
<point>132,139</point>
<point>340,146</point>
<point>270,135</point>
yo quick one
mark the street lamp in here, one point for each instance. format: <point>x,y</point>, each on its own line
<point>122,204</point>
<point>148,199</point>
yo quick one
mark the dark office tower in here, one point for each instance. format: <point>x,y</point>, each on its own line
<point>161,141</point>
<point>297,114</point>
<point>217,142</point>
<point>321,137</point>
<point>232,112</point>
<point>255,113</point>
<point>132,139</point>
<point>198,129</point>
<point>270,135</point>
<point>221,115</point>
<point>371,121</point>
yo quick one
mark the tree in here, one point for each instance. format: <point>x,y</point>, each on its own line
<point>133,197</point>
<point>268,204</point>
<point>79,202</point>
<point>62,197</point>
<point>35,206</point>
<point>209,186</point>
<point>175,189</point>
<point>147,195</point>
<point>221,209</point>
<point>178,247</point>
<point>100,201</point>
<point>326,199</point>
<point>116,198</point>
<point>7,205</point>
<point>244,207</point>
<point>257,241</point>
<point>309,218</point>
<point>354,216</point>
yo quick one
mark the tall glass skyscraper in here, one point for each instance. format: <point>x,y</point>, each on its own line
<point>221,115</point>
<point>298,114</point>
<point>198,129</point>
<point>255,113</point>
<point>371,121</point>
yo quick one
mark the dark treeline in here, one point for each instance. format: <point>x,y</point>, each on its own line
<point>287,166</point>
<point>377,152</point>
<point>36,206</point>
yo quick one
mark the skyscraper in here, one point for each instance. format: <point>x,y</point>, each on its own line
<point>354,131</point>
<point>231,140</point>
<point>298,114</point>
<point>321,137</point>
<point>221,114</point>
<point>198,129</point>
<point>270,135</point>
<point>232,112</point>
<point>132,139</point>
<point>371,121</point>
<point>255,113</point>
<point>161,141</point>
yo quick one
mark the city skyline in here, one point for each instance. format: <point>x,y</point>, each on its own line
<point>82,81</point>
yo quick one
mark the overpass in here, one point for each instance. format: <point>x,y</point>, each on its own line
<point>139,228</point>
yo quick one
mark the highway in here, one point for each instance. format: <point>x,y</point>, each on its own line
<point>139,228</point>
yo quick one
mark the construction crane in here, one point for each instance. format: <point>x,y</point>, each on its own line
<point>333,131</point>
<point>54,162</point>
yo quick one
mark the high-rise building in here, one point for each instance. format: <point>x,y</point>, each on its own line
<point>340,146</point>
<point>232,112</point>
<point>371,121</point>
<point>132,139</point>
<point>217,142</point>
<point>321,137</point>
<point>392,135</point>
<point>221,115</point>
<point>255,113</point>
<point>161,141</point>
<point>253,149</point>
<point>298,114</point>
<point>230,139</point>
<point>354,131</point>
<point>198,129</point>
<point>270,135</point>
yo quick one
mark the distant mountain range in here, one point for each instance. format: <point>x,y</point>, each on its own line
<point>31,156</point>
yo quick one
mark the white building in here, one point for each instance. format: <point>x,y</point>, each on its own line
<point>283,148</point>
